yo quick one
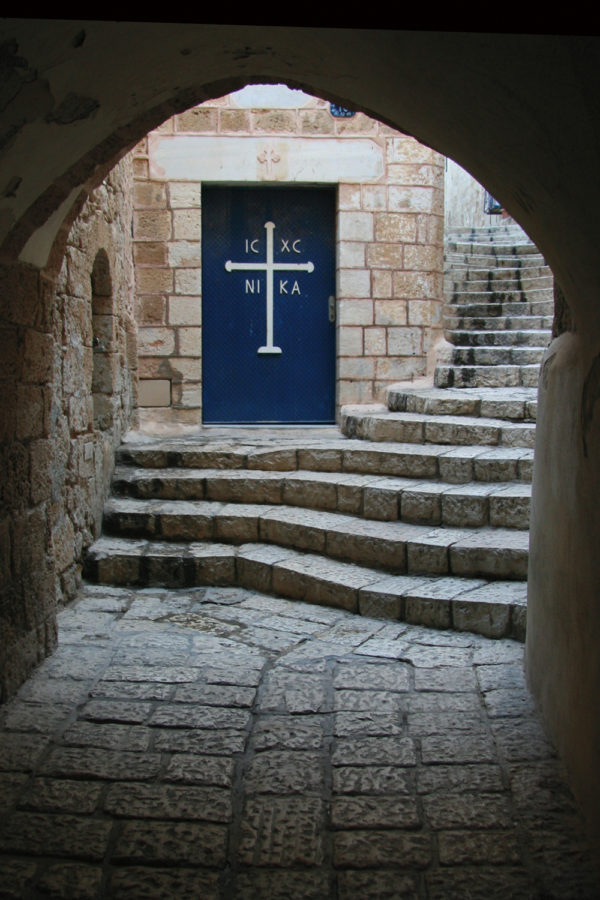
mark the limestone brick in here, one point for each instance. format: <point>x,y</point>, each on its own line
<point>188,369</point>
<point>152,225</point>
<point>187,224</point>
<point>184,254</point>
<point>375,341</point>
<point>154,392</point>
<point>152,280</point>
<point>234,120</point>
<point>189,341</point>
<point>414,285</point>
<point>141,169</point>
<point>156,341</point>
<point>150,194</point>
<point>350,392</point>
<point>358,124</point>
<point>423,258</point>
<point>381,282</point>
<point>351,255</point>
<point>424,312</point>
<point>349,196</point>
<point>30,412</point>
<point>374,196</point>
<point>38,351</point>
<point>355,226</point>
<point>407,150</point>
<point>418,175</point>
<point>151,310</point>
<point>385,256</point>
<point>411,199</point>
<point>354,283</point>
<point>185,310</point>
<point>356,367</point>
<point>274,121</point>
<point>390,369</point>
<point>349,341</point>
<point>405,341</point>
<point>315,121</point>
<point>184,194</point>
<point>395,227</point>
<point>355,312</point>
<point>188,281</point>
<point>150,254</point>
<point>197,120</point>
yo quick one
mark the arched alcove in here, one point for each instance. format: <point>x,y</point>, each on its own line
<point>103,331</point>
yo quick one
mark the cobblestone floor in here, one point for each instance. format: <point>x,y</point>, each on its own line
<point>217,743</point>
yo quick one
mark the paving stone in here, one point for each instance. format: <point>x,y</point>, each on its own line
<point>369,676</point>
<point>193,715</point>
<point>380,885</point>
<point>11,785</point>
<point>192,843</point>
<point>33,717</point>
<point>275,884</point>
<point>445,679</point>
<point>471,811</point>
<point>296,693</point>
<point>74,762</point>
<point>213,742</point>
<point>443,748</point>
<point>367,724</point>
<point>154,883</point>
<point>55,835</point>
<point>368,849</point>
<point>375,812</point>
<point>521,739</point>
<point>189,768</point>
<point>450,779</point>
<point>60,795</point>
<point>71,880</point>
<point>282,832</point>
<point>394,751</point>
<point>481,881</point>
<point>153,801</point>
<point>20,752</point>
<point>475,847</point>
<point>372,779</point>
<point>285,772</point>
<point>282,732</point>
<point>215,695</point>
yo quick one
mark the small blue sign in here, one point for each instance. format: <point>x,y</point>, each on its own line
<point>340,112</point>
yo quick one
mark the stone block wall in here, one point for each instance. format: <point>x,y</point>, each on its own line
<point>67,377</point>
<point>389,241</point>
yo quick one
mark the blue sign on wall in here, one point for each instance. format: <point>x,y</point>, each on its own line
<point>268,271</point>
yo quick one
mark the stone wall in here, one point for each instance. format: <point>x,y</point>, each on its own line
<point>65,405</point>
<point>389,241</point>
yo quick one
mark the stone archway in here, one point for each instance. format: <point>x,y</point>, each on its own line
<point>527,129</point>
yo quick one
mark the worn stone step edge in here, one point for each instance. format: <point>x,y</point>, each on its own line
<point>460,376</point>
<point>497,356</point>
<point>383,499</point>
<point>396,547</point>
<point>420,428</point>
<point>521,338</point>
<point>450,463</point>
<point>492,403</point>
<point>495,323</point>
<point>493,609</point>
<point>461,307</point>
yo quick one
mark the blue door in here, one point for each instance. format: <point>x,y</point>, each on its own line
<point>268,282</point>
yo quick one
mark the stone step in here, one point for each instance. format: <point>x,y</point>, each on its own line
<point>495,609</point>
<point>395,547</point>
<point>534,338</point>
<point>497,356</point>
<point>449,463</point>
<point>501,505</point>
<point>474,310</point>
<point>514,404</point>
<point>487,261</point>
<point>501,249</point>
<point>457,297</point>
<point>498,323</point>
<point>470,278</point>
<point>486,376</point>
<point>429,429</point>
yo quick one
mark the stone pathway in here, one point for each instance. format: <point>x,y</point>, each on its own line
<point>219,743</point>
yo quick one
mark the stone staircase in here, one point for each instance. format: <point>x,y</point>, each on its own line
<point>417,511</point>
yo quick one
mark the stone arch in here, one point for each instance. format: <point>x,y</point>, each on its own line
<point>528,129</point>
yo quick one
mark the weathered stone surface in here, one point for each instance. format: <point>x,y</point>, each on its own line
<point>151,801</point>
<point>70,836</point>
<point>375,812</point>
<point>285,772</point>
<point>191,843</point>
<point>368,849</point>
<point>163,883</point>
<point>282,832</point>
